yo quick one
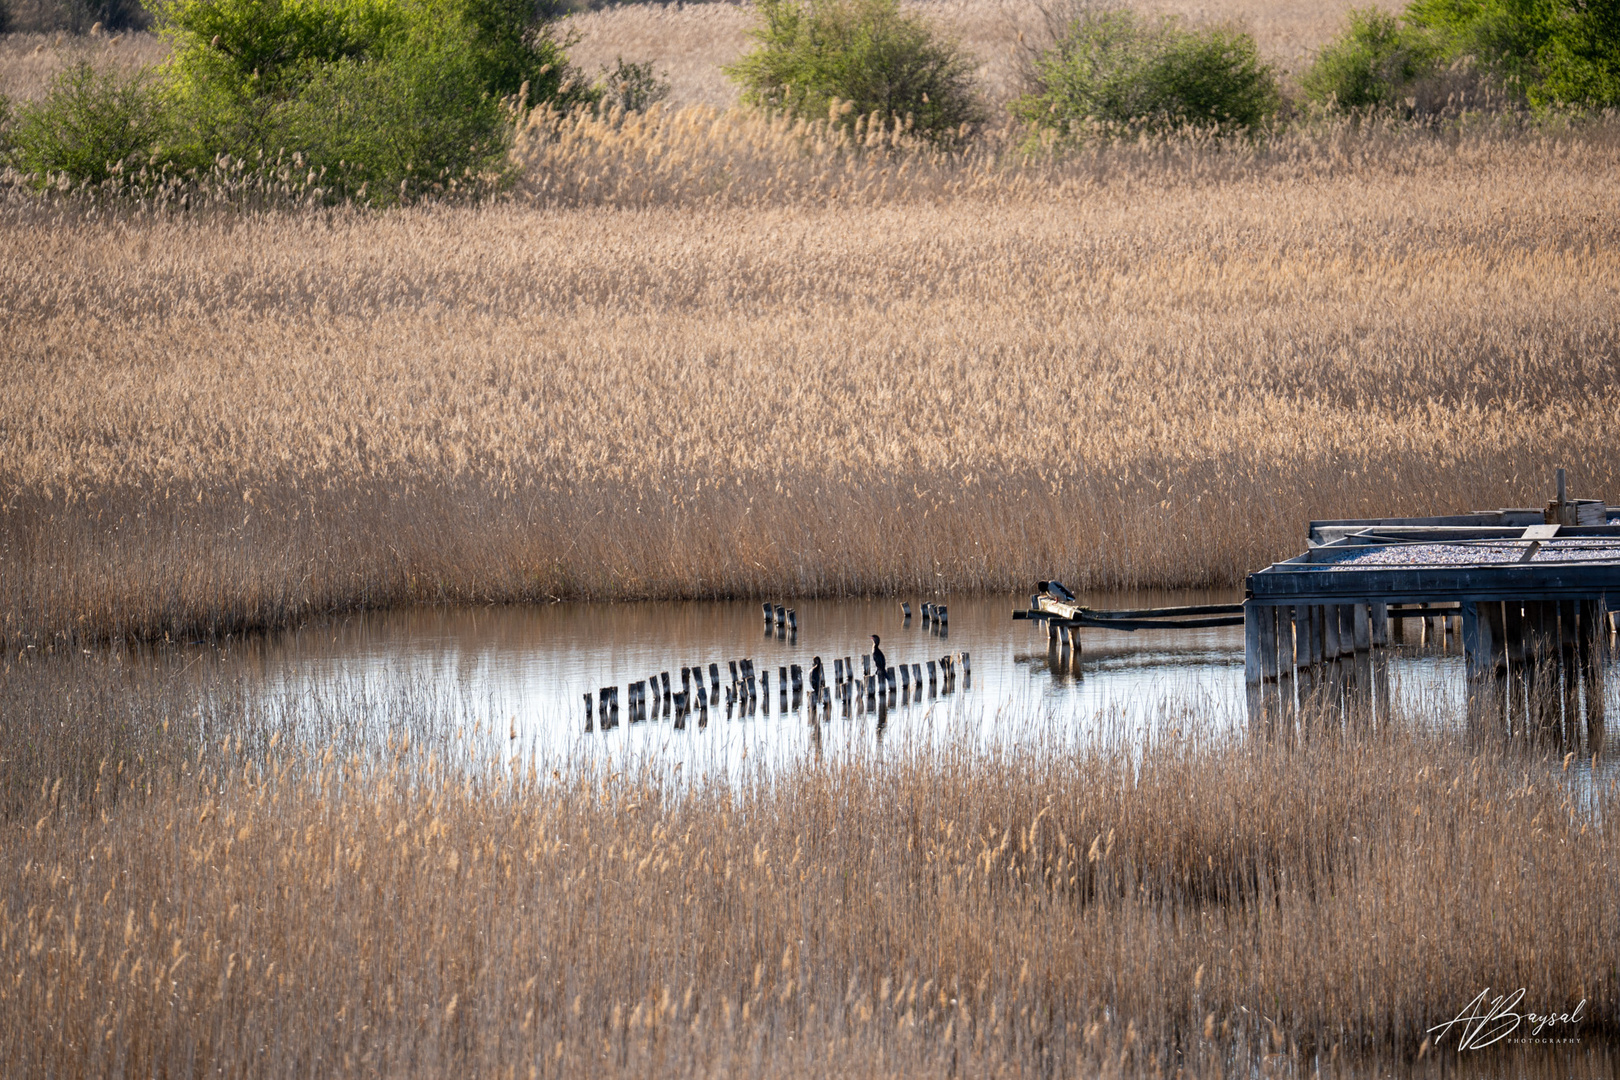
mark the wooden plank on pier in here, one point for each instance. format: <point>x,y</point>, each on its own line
<point>1168,612</point>
<point>1285,583</point>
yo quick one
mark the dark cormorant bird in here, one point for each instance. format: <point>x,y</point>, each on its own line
<point>877,656</point>
<point>818,679</point>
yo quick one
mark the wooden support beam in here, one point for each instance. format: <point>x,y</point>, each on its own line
<point>1594,647</point>
<point>1493,613</point>
<point>1252,673</point>
<point>1479,663</point>
<point>1287,640</point>
<point>1330,632</point>
<point>1268,641</point>
<point>1380,625</point>
<point>1513,630</point>
<point>1547,698</point>
<point>1361,616</point>
<point>1569,669</point>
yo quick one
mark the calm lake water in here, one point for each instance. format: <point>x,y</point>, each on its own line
<point>522,673</point>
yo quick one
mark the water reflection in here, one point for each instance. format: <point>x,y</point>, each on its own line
<point>718,687</point>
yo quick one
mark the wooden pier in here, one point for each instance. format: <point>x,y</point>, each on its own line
<point>1527,595</point>
<point>1531,591</point>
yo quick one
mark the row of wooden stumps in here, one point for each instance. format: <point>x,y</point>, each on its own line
<point>749,691</point>
<point>655,697</point>
<point>896,684</point>
<point>1535,668</point>
<point>935,617</point>
<point>783,621</point>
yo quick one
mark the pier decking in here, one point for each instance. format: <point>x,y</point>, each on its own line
<point>1533,591</point>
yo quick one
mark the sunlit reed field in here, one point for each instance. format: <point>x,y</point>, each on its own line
<point>705,353</point>
<point>28,62</point>
<point>681,360</point>
<point>230,895</point>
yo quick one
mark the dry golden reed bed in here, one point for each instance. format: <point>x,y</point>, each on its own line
<point>213,900</point>
<point>684,361</point>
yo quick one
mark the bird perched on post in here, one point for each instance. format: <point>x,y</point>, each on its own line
<point>1058,592</point>
<point>877,656</point>
<point>818,679</point>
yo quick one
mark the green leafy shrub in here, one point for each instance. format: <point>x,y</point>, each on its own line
<point>389,98</point>
<point>88,126</point>
<point>376,99</point>
<point>1118,69</point>
<point>1373,63</point>
<point>1542,52</point>
<point>858,57</point>
<point>1554,51</point>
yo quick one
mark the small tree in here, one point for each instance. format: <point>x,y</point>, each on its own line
<point>1541,52</point>
<point>87,125</point>
<point>1553,52</point>
<point>1372,64</point>
<point>1118,68</point>
<point>867,55</point>
<point>389,97</point>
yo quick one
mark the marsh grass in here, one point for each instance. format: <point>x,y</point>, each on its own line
<point>28,62</point>
<point>436,900</point>
<point>793,373</point>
